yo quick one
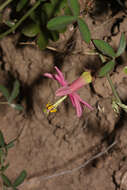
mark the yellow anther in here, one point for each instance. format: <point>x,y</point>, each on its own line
<point>51,108</point>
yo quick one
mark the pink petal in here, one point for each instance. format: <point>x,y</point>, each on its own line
<point>77,106</point>
<point>72,99</point>
<point>85,103</point>
<point>48,75</point>
<point>63,91</point>
<point>60,74</point>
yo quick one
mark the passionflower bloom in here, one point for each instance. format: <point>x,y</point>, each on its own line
<point>69,90</point>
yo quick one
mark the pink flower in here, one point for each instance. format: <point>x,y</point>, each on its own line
<point>71,89</point>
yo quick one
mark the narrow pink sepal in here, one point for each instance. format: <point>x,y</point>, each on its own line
<point>85,103</point>
<point>60,74</point>
<point>77,106</point>
<point>48,75</point>
<point>63,91</point>
<point>72,99</point>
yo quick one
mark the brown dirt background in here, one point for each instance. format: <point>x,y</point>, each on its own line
<point>61,141</point>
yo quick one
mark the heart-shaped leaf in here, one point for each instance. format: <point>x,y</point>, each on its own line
<point>60,22</point>
<point>84,30</point>
<point>104,47</point>
<point>20,178</point>
<point>107,68</point>
<point>122,45</point>
<point>75,7</point>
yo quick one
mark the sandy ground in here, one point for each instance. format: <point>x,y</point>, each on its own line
<point>60,142</point>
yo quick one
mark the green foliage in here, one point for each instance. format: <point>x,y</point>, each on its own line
<point>74,6</point>
<point>6,180</point>
<point>125,70</point>
<point>107,68</point>
<point>14,92</point>
<point>84,30</point>
<point>10,97</point>
<point>3,167</point>
<point>42,41</point>
<point>2,142</point>
<point>5,92</point>
<point>60,22</point>
<point>104,48</point>
<point>122,45</point>
<point>21,5</point>
<point>31,30</point>
<point>20,178</point>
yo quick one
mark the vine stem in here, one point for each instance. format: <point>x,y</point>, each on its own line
<point>113,88</point>
<point>110,82</point>
<point>5,4</point>
<point>21,20</point>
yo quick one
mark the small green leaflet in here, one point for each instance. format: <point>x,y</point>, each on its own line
<point>42,40</point>
<point>2,142</point>
<point>60,22</point>
<point>6,180</point>
<point>125,70</point>
<point>31,30</point>
<point>18,107</point>
<point>84,30</point>
<point>21,4</point>
<point>107,68</point>
<point>74,6</point>
<point>104,47</point>
<point>122,45</point>
<point>15,91</point>
<point>20,178</point>
<point>4,91</point>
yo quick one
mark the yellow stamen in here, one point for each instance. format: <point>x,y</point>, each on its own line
<point>52,107</point>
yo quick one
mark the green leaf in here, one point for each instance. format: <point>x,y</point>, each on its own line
<point>19,107</point>
<point>3,168</point>
<point>122,45</point>
<point>10,144</point>
<point>67,11</point>
<point>125,70</point>
<point>42,41</point>
<point>84,30</point>
<point>21,4</point>
<point>20,178</point>
<point>2,141</point>
<point>48,8</point>
<point>9,23</point>
<point>54,35</point>
<point>107,68</point>
<point>4,91</point>
<point>6,180</point>
<point>104,47</point>
<point>60,22</point>
<point>15,91</point>
<point>31,30</point>
<point>75,7</point>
